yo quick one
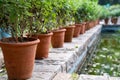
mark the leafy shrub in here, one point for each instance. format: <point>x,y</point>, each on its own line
<point>115,10</point>
<point>104,13</point>
<point>87,11</point>
<point>14,17</point>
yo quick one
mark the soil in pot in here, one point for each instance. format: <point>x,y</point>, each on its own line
<point>19,58</point>
<point>58,38</point>
<point>77,30</point>
<point>43,46</point>
<point>69,33</point>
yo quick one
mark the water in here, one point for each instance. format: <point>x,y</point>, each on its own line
<point>106,59</point>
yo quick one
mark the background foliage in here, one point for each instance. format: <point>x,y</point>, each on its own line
<point>111,2</point>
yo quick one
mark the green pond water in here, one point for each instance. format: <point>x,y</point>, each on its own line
<point>106,59</point>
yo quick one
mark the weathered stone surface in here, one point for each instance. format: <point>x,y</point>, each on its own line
<point>62,64</point>
<point>97,77</point>
<point>92,77</point>
<point>47,68</point>
<point>79,62</point>
<point>114,78</point>
<point>3,77</point>
<point>62,50</point>
<point>42,76</point>
<point>64,76</point>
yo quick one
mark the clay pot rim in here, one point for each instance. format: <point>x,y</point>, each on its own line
<point>78,25</point>
<point>83,23</point>
<point>27,43</point>
<point>59,30</point>
<point>114,19</point>
<point>48,34</point>
<point>71,26</point>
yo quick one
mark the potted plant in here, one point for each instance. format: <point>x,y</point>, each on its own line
<point>90,12</point>
<point>114,20</point>
<point>18,51</point>
<point>105,15</point>
<point>115,13</point>
<point>77,23</point>
<point>81,18</point>
<point>69,32</point>
<point>43,19</point>
<point>58,32</point>
<point>68,21</point>
<point>97,14</point>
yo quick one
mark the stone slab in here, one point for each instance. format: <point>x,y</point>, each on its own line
<point>63,59</point>
<point>42,76</point>
<point>64,76</point>
<point>92,77</point>
<point>53,62</point>
<point>62,50</point>
<point>114,78</point>
<point>47,68</point>
<point>97,77</point>
<point>3,77</point>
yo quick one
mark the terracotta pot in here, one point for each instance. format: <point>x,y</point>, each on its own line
<point>69,33</point>
<point>97,22</point>
<point>58,38</point>
<point>106,20</point>
<point>90,25</point>
<point>82,28</point>
<point>43,46</point>
<point>77,30</point>
<point>87,26</point>
<point>93,24</point>
<point>19,58</point>
<point>114,20</point>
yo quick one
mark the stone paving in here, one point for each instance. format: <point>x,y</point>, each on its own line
<point>96,77</point>
<point>64,76</point>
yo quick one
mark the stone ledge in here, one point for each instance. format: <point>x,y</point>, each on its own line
<point>65,59</point>
<point>64,76</point>
<point>97,77</point>
<point>92,77</point>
